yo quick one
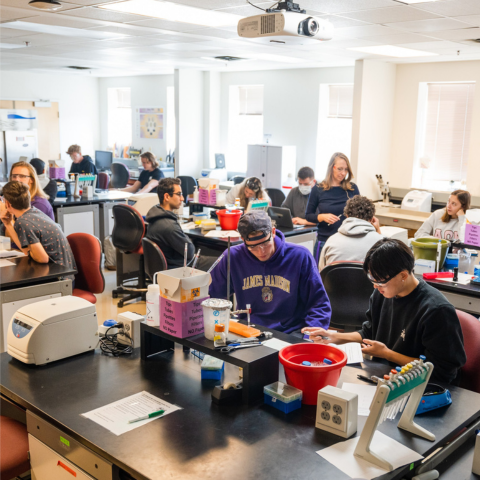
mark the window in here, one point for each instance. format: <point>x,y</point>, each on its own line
<point>171,125</point>
<point>445,117</point>
<point>119,117</point>
<point>245,126</point>
<point>340,101</point>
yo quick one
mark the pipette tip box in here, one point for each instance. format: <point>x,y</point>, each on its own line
<point>212,368</point>
<point>283,397</point>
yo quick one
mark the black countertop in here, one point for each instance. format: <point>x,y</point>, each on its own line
<point>109,196</point>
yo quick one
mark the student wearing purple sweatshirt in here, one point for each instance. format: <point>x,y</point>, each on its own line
<point>279,280</point>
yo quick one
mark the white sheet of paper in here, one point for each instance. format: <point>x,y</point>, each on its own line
<point>222,234</point>
<point>115,416</point>
<point>5,263</point>
<point>353,351</point>
<point>365,396</point>
<point>188,226</point>
<point>275,343</point>
<point>341,455</point>
<point>463,279</point>
<point>11,254</point>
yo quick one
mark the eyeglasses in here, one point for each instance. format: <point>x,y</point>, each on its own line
<point>19,176</point>
<point>180,194</point>
<point>259,246</point>
<point>381,283</point>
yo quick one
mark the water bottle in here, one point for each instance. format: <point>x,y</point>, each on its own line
<point>153,305</point>
<point>196,195</point>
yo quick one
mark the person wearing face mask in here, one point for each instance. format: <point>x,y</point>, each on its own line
<point>406,317</point>
<point>447,222</point>
<point>250,189</point>
<point>279,280</point>
<point>328,199</point>
<point>297,198</point>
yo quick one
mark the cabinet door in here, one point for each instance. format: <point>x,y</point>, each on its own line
<point>257,162</point>
<point>274,167</point>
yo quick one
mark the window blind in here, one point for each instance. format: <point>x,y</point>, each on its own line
<point>251,100</point>
<point>447,129</point>
<point>340,101</point>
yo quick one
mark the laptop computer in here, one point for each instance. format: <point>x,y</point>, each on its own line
<point>282,217</point>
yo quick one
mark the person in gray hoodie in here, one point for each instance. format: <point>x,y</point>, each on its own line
<point>166,232</point>
<point>357,234</point>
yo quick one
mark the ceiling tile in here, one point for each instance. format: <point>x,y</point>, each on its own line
<point>401,13</point>
<point>432,25</point>
<point>43,39</point>
<point>102,14</point>
<point>214,4</point>
<point>127,29</point>
<point>9,13</point>
<point>470,19</point>
<point>24,4</point>
<point>458,35</point>
<point>13,32</point>
<point>365,31</point>
<point>144,41</point>
<point>452,8</point>
<point>61,21</point>
<point>167,25</point>
<point>215,32</point>
<point>247,10</point>
<point>398,39</point>
<point>341,6</point>
<point>340,22</point>
<point>87,3</point>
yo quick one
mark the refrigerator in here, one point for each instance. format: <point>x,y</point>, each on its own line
<point>17,145</point>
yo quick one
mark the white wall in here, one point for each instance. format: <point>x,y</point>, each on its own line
<point>146,91</point>
<point>291,100</point>
<point>408,79</point>
<point>212,116</point>
<point>78,99</point>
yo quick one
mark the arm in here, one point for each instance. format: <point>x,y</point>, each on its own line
<point>288,202</point>
<point>232,194</point>
<point>132,188</point>
<point>313,201</point>
<point>177,240</point>
<point>149,186</point>
<point>427,228</point>
<point>35,250</point>
<point>218,286</point>
<point>322,262</point>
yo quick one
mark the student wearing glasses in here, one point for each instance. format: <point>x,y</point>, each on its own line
<point>328,199</point>
<point>406,317</point>
<point>279,280</point>
<point>165,231</point>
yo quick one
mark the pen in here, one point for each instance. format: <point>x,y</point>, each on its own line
<point>367,379</point>
<point>146,417</point>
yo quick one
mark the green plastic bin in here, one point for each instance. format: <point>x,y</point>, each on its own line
<point>425,248</point>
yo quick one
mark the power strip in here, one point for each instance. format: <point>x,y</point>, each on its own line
<point>131,326</point>
<point>337,411</point>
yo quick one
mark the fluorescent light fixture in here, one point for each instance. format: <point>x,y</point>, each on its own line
<point>11,45</point>
<point>410,2</point>
<point>65,31</point>
<point>174,12</point>
<point>393,51</point>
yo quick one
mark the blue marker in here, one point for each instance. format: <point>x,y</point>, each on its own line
<point>306,364</point>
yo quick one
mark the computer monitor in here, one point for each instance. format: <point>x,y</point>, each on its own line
<point>103,160</point>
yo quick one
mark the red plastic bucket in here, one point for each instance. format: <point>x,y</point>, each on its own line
<point>229,221</point>
<point>311,379</point>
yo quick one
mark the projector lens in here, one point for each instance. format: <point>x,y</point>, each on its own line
<point>312,26</point>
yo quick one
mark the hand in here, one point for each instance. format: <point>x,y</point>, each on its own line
<point>460,212</point>
<point>6,217</point>
<point>299,221</point>
<point>376,223</point>
<point>376,349</point>
<point>317,334</point>
<point>329,218</point>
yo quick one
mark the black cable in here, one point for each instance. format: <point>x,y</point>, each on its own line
<point>110,345</point>
<point>262,9</point>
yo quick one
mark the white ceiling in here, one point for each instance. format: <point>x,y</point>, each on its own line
<point>139,45</point>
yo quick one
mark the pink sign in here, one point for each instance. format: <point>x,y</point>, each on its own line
<point>472,235</point>
<point>181,319</point>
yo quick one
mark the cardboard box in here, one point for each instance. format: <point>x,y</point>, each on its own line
<point>181,319</point>
<point>472,234</point>
<point>179,286</point>
<point>208,183</point>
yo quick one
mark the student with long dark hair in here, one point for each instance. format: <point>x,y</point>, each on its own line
<point>406,317</point>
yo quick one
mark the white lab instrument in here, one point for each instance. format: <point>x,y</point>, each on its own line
<point>53,329</point>
<point>476,455</point>
<point>143,202</point>
<point>218,173</point>
<point>418,201</point>
<point>395,232</point>
<point>337,411</point>
<point>385,190</point>
<point>424,266</point>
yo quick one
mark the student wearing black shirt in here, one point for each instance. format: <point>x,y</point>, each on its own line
<point>406,317</point>
<point>149,177</point>
<point>81,163</point>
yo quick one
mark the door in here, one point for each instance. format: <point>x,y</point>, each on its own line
<point>274,167</point>
<point>20,146</point>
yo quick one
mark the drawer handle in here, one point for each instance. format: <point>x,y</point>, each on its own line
<point>68,469</point>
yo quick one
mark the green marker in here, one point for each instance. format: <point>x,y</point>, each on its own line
<point>146,417</point>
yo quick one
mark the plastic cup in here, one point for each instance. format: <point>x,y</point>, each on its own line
<point>215,310</point>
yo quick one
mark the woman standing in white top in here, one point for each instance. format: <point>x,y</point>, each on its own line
<point>447,222</point>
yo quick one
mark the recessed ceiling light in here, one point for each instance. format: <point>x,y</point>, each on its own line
<point>393,51</point>
<point>174,12</point>
<point>226,58</point>
<point>47,5</point>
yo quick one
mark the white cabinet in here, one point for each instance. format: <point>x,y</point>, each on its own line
<point>271,164</point>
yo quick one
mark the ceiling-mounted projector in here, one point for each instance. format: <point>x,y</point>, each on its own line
<point>286,24</point>
<point>48,5</point>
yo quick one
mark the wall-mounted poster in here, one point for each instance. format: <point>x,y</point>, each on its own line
<point>149,122</point>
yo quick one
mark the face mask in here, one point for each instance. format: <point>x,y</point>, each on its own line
<point>305,189</point>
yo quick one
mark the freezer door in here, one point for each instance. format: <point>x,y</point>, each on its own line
<point>20,144</point>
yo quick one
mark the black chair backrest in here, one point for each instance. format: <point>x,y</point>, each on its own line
<point>188,185</point>
<point>154,258</point>
<point>128,228</point>
<point>349,291</point>
<point>237,179</point>
<point>276,195</point>
<point>51,190</point>
<point>120,175</point>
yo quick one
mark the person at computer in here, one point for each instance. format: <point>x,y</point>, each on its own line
<point>328,199</point>
<point>250,189</point>
<point>81,163</point>
<point>279,280</point>
<point>447,222</point>
<point>150,176</point>
<point>406,317</point>
<point>165,231</point>
<point>357,234</point>
<point>39,166</point>
<point>297,198</point>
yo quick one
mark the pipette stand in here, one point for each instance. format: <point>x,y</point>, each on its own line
<point>405,396</point>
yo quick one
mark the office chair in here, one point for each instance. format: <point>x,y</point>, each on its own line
<point>188,185</point>
<point>103,179</point>
<point>51,189</point>
<point>470,376</point>
<point>155,260</point>
<point>128,231</point>
<point>87,252</point>
<point>236,179</point>
<point>349,291</point>
<point>120,175</point>
<point>276,195</point>
<point>13,448</point>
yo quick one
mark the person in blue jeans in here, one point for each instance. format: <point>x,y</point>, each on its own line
<point>328,199</point>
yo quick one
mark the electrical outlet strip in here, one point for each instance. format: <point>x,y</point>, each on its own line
<point>131,326</point>
<point>337,411</point>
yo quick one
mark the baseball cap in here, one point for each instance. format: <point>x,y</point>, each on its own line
<point>256,221</point>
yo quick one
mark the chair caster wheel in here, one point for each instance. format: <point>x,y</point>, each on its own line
<point>120,304</point>
<point>114,295</point>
